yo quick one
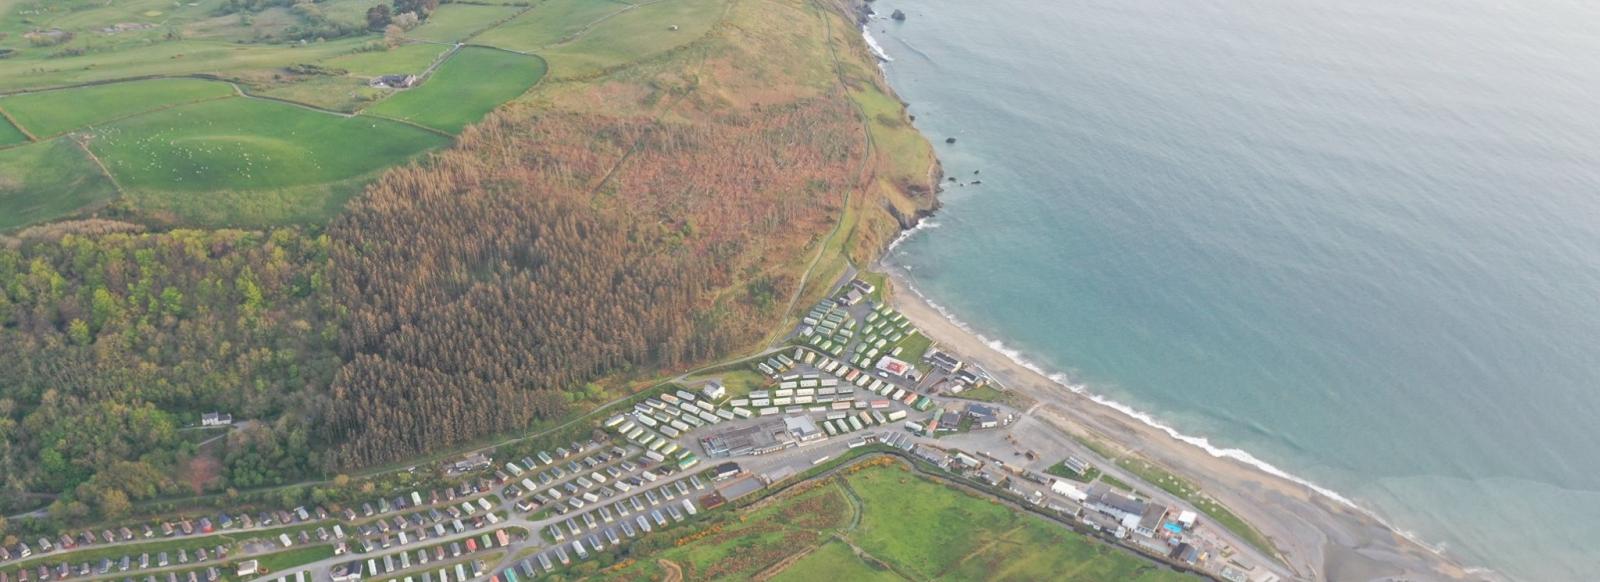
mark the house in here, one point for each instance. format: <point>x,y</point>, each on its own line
<point>1150,520</point>
<point>1112,503</point>
<point>714,390</point>
<point>401,81</point>
<point>725,471</point>
<point>216,419</point>
<point>247,568</point>
<point>893,365</point>
<point>983,416</point>
<point>862,286</point>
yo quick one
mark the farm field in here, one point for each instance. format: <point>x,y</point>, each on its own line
<point>457,22</point>
<point>47,180</point>
<point>833,561</point>
<point>908,527</point>
<point>9,134</point>
<point>50,113</point>
<point>466,87</point>
<point>167,58</point>
<point>410,58</point>
<point>245,161</point>
<point>634,34</point>
<point>549,22</point>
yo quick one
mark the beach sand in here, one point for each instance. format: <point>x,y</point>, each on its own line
<point>1320,538</point>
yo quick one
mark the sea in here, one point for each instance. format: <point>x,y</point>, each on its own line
<point>1357,241</point>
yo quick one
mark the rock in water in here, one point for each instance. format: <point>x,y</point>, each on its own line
<point>898,15</point>
<point>949,140</point>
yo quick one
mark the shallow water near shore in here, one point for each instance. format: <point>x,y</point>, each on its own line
<point>1360,241</point>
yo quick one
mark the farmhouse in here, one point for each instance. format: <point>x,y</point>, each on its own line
<point>401,81</point>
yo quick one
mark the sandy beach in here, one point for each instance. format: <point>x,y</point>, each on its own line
<point>1319,537</point>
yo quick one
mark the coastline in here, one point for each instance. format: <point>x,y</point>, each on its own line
<point>1319,534</point>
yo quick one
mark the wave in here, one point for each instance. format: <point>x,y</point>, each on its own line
<point>1204,444</point>
<point>872,43</point>
<point>924,224</point>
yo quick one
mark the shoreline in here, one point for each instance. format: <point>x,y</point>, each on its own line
<point>1318,533</point>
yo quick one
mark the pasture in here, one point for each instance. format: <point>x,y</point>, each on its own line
<point>834,561</point>
<point>457,22</point>
<point>410,58</point>
<point>245,161</point>
<point>49,113</point>
<point>181,57</point>
<point>634,34</point>
<point>549,22</point>
<point>9,134</point>
<point>465,88</point>
<point>46,181</point>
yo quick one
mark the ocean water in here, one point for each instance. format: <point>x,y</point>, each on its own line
<point>1359,240</point>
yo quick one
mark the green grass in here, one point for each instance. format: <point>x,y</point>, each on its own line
<point>243,161</point>
<point>9,134</point>
<point>47,180</point>
<point>1178,486</point>
<point>833,561</point>
<point>634,34</point>
<point>457,22</point>
<point>295,557</point>
<point>1038,550</point>
<point>912,347</point>
<point>55,112</point>
<point>1115,482</point>
<point>550,22</point>
<point>919,524</point>
<point>410,58</point>
<point>464,89</point>
<point>895,138</point>
<point>164,58</point>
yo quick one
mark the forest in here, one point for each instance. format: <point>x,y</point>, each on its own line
<point>612,230</point>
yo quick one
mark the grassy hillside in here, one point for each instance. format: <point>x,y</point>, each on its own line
<point>47,180</point>
<point>50,113</point>
<point>246,161</point>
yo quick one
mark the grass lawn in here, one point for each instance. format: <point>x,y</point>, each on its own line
<point>465,88</point>
<point>457,22</point>
<point>56,112</point>
<point>243,161</point>
<point>411,58</point>
<point>833,561</point>
<point>549,23</point>
<point>634,34</point>
<point>47,180</point>
<point>295,557</point>
<point>913,347</point>
<point>1115,482</point>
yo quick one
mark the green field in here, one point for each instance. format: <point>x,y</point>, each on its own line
<point>9,134</point>
<point>410,58</point>
<point>548,23</point>
<point>165,58</point>
<point>465,88</point>
<point>833,561</point>
<point>634,34</point>
<point>906,527</point>
<point>245,161</point>
<point>457,22</point>
<point>55,112</point>
<point>47,180</point>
